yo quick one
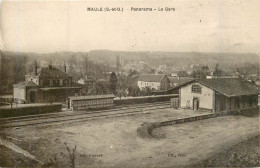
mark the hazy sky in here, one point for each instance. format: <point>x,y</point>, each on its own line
<point>195,25</point>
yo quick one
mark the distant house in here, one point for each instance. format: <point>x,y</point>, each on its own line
<point>221,94</point>
<point>255,79</point>
<point>154,82</point>
<point>176,81</point>
<point>49,84</point>
<point>257,82</point>
<point>87,81</point>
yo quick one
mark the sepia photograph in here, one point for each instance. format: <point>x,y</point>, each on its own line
<point>134,84</point>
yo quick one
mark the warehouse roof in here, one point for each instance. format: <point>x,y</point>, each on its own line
<point>229,86</point>
<point>91,97</point>
<point>151,78</point>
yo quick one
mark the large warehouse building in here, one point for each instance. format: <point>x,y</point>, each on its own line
<point>217,95</point>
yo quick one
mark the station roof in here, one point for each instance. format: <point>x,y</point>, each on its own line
<point>91,97</point>
<point>229,87</point>
<point>51,72</point>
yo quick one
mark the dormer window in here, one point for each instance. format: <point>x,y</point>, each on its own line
<point>196,89</point>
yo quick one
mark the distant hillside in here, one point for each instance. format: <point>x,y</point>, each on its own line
<point>226,60</point>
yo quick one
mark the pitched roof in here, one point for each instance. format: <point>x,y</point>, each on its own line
<point>52,72</point>
<point>26,84</point>
<point>229,86</point>
<point>151,78</point>
<point>91,97</point>
<point>179,81</point>
<point>49,72</point>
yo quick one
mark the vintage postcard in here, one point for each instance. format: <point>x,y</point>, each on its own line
<point>104,83</point>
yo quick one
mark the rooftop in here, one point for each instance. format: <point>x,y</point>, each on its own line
<point>91,97</point>
<point>151,78</point>
<point>26,84</point>
<point>180,80</point>
<point>51,72</point>
<point>229,86</point>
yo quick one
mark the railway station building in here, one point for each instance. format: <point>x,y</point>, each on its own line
<point>47,84</point>
<point>219,95</point>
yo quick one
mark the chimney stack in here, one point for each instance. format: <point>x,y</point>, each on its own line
<point>64,67</point>
<point>35,68</point>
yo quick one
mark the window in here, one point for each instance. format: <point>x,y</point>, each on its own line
<point>224,101</point>
<point>244,100</point>
<point>46,83</point>
<point>60,82</point>
<point>256,100</point>
<point>50,82</point>
<point>237,102</point>
<point>251,99</point>
<point>65,82</point>
<point>196,89</point>
<point>55,82</point>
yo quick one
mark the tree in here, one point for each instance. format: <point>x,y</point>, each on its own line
<point>120,92</point>
<point>113,82</point>
<point>85,63</point>
<point>217,72</point>
<point>102,87</point>
<point>11,102</point>
<point>182,73</point>
<point>118,63</point>
<point>133,72</point>
<point>201,73</point>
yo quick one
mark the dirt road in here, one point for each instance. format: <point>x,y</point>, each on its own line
<point>114,142</point>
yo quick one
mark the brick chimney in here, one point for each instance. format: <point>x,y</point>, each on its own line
<point>35,68</point>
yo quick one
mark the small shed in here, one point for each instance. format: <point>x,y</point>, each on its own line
<point>90,102</point>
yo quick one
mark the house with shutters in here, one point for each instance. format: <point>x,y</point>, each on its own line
<point>154,82</point>
<point>47,84</point>
<point>219,95</point>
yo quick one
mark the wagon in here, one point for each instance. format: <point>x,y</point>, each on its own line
<point>90,102</point>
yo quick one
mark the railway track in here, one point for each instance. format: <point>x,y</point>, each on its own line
<point>60,117</point>
<point>73,113</point>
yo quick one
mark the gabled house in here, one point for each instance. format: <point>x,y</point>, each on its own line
<point>48,84</point>
<point>154,82</point>
<point>217,95</point>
